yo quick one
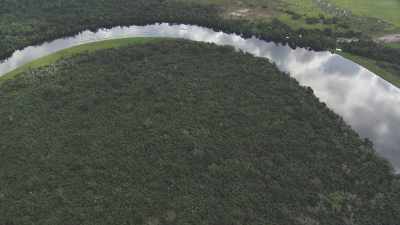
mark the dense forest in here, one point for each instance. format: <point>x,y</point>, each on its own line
<point>176,132</point>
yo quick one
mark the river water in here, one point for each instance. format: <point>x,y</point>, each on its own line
<point>365,101</point>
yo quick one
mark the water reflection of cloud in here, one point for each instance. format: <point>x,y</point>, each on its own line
<point>368,103</point>
<point>304,56</point>
<point>337,64</point>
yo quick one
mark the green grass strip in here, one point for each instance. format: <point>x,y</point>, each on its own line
<point>393,45</point>
<point>373,67</point>
<point>76,50</point>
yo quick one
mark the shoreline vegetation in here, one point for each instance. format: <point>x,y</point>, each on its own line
<point>391,75</point>
<point>25,22</point>
<point>76,50</point>
<point>172,132</point>
<point>373,65</point>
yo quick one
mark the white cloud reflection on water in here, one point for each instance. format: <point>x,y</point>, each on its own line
<point>365,101</point>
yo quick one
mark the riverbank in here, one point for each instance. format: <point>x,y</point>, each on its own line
<point>76,50</point>
<point>390,75</point>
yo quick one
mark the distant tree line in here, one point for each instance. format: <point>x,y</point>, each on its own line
<point>373,50</point>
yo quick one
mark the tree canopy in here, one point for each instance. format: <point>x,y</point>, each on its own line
<point>176,132</point>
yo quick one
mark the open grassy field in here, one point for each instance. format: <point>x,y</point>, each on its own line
<point>84,48</point>
<point>266,10</point>
<point>388,10</point>
<point>305,7</point>
<point>364,18</point>
<point>393,45</point>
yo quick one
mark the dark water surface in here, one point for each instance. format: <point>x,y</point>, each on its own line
<point>365,101</point>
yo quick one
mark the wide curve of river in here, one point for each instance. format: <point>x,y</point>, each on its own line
<point>368,103</point>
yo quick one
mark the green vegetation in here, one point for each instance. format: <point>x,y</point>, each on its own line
<point>296,13</point>
<point>27,22</point>
<point>388,10</point>
<point>381,59</point>
<point>358,16</point>
<point>378,67</point>
<point>177,132</point>
<point>66,53</point>
<point>393,45</point>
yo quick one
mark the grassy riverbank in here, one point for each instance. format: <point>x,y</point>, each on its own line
<point>73,51</point>
<point>178,132</point>
<point>390,75</point>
